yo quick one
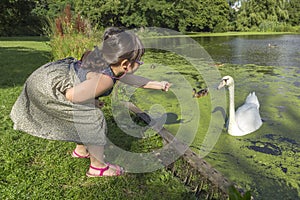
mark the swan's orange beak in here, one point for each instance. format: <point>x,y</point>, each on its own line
<point>222,84</point>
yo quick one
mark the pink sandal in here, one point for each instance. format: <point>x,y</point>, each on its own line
<point>76,155</point>
<point>119,171</point>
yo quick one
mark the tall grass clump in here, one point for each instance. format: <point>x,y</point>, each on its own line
<point>71,35</point>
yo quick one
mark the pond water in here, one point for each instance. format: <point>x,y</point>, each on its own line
<point>265,162</point>
<point>267,50</point>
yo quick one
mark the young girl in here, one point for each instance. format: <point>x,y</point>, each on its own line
<point>57,101</point>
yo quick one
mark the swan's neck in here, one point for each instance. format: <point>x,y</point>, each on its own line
<point>232,122</point>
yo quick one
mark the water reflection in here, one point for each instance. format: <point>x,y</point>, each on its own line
<point>284,49</point>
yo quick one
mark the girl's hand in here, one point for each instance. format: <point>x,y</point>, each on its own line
<point>157,85</point>
<point>165,85</point>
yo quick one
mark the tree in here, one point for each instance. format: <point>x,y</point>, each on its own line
<point>187,15</point>
<point>219,14</point>
<point>262,15</point>
<point>16,18</point>
<point>27,16</point>
<point>293,7</point>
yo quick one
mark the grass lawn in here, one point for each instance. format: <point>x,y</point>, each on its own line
<point>35,168</point>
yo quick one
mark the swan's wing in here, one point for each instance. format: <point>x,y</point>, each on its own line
<point>252,98</point>
<point>248,118</point>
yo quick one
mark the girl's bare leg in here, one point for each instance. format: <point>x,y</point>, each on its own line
<point>81,150</point>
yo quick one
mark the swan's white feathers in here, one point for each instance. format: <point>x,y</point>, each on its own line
<point>252,98</point>
<point>247,118</point>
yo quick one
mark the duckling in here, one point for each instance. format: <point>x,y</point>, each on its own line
<point>219,64</point>
<point>200,93</point>
<point>152,66</point>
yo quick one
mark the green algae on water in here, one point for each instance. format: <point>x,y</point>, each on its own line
<point>262,162</point>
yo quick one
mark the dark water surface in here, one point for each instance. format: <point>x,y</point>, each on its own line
<point>284,50</point>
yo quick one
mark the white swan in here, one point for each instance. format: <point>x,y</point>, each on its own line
<point>246,119</point>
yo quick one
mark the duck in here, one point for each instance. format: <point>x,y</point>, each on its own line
<point>246,119</point>
<point>200,93</point>
<point>272,45</point>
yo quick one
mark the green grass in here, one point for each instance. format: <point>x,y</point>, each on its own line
<point>35,168</point>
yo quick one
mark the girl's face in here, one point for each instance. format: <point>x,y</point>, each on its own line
<point>134,66</point>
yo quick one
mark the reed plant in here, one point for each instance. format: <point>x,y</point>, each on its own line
<point>71,35</point>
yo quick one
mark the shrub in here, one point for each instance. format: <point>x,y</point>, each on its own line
<point>71,36</point>
<point>273,26</point>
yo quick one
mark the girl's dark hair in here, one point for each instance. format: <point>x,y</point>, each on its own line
<point>117,45</point>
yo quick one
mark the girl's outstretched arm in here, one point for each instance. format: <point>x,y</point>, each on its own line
<point>142,82</point>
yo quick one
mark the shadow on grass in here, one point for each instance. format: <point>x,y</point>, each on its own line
<point>25,38</point>
<point>17,63</point>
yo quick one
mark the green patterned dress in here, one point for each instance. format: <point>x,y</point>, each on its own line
<point>43,111</point>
